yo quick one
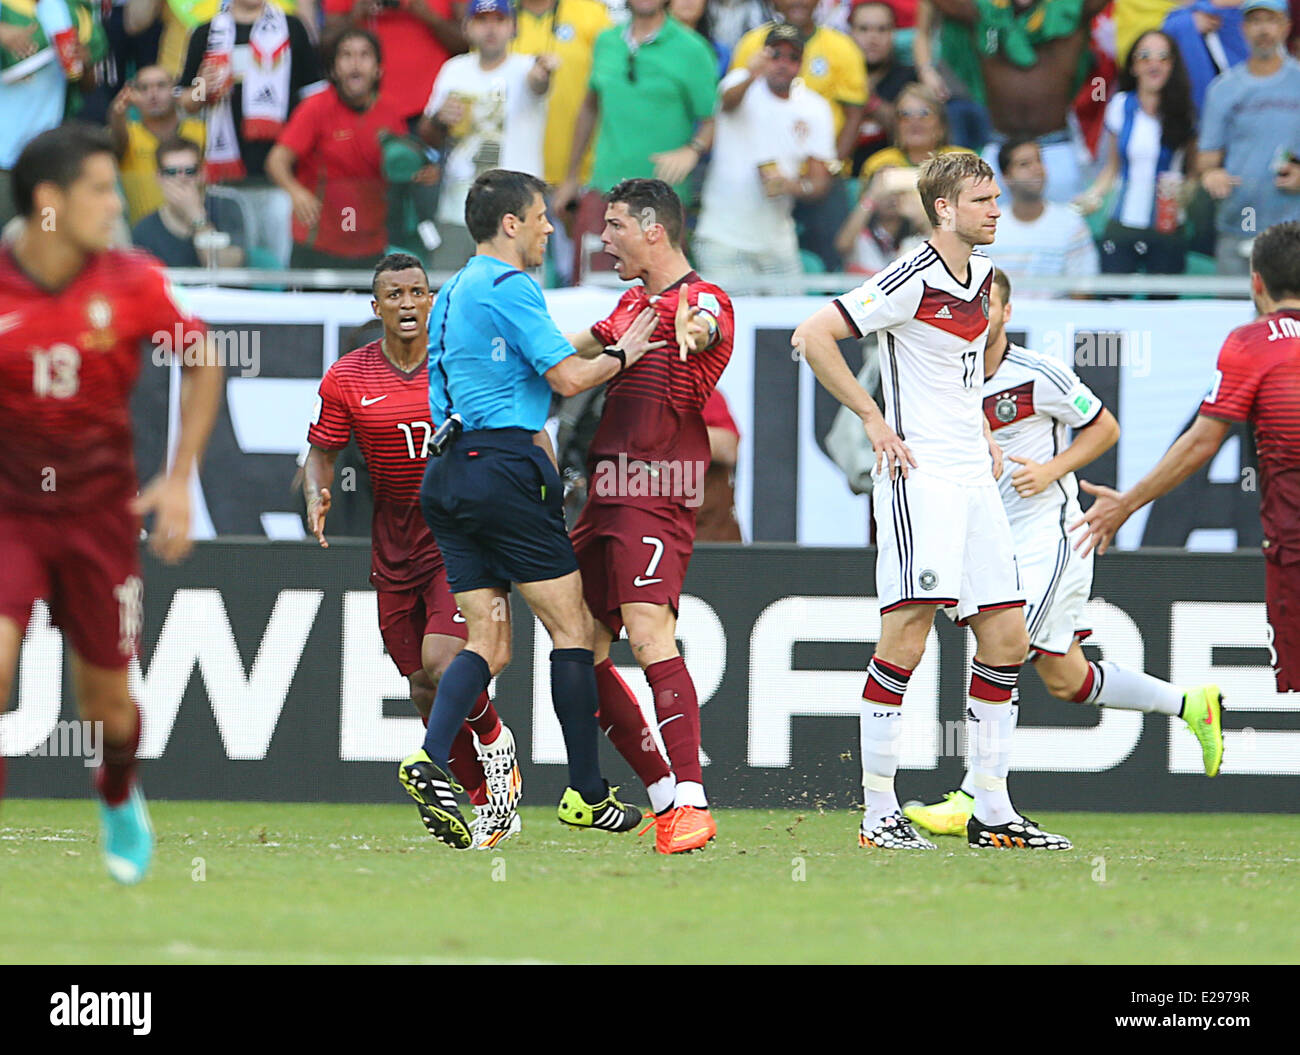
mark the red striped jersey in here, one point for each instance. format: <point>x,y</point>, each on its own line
<point>654,409</point>
<point>69,359</point>
<point>364,393</point>
<point>1258,380</point>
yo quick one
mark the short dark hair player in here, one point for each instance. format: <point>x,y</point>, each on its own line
<point>73,313</point>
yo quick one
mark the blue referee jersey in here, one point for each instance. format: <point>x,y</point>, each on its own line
<point>490,341</point>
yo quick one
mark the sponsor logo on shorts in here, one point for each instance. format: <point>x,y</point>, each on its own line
<point>457,618</point>
<point>928,579</point>
<point>638,581</point>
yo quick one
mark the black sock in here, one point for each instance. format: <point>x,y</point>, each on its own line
<point>461,684</point>
<point>573,693</point>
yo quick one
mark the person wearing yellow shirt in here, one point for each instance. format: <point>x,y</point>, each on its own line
<point>136,138</point>
<point>834,67</point>
<point>568,30</point>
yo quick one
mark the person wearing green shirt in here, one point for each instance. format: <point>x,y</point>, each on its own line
<point>649,103</point>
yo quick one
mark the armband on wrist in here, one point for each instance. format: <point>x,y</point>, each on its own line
<point>617,353</point>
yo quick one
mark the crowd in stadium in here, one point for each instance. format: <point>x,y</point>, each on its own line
<point>1131,136</point>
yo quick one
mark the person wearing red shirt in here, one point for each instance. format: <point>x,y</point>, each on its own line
<point>417,36</point>
<point>73,314</point>
<point>1257,380</point>
<point>330,161</point>
<point>380,393</point>
<point>646,465</point>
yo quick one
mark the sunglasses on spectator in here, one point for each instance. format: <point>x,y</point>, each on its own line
<point>920,111</point>
<point>180,170</point>
<point>1147,53</point>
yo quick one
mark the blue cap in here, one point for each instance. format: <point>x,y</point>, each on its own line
<point>490,7</point>
<point>1280,6</point>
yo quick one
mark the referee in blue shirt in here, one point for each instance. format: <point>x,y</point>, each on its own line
<point>494,500</point>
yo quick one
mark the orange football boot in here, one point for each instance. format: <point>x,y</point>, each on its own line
<point>692,829</point>
<point>662,823</point>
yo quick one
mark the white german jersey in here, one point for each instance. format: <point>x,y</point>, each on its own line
<point>1030,402</point>
<point>931,356</point>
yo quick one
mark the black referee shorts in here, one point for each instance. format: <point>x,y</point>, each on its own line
<point>495,505</point>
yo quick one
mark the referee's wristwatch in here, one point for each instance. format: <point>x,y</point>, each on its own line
<point>617,353</point>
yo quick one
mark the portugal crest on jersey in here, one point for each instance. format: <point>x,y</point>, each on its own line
<point>100,338</point>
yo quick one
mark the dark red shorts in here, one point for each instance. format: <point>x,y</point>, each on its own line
<point>631,553</point>
<point>87,568</point>
<point>1282,596</point>
<point>406,616</point>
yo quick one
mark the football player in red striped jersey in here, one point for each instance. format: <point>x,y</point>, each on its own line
<point>646,467</point>
<point>380,393</point>
<point>73,314</point>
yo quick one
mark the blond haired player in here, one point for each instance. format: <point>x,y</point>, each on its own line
<point>943,537</point>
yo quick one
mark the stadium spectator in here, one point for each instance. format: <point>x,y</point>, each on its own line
<point>136,138</point>
<point>1249,159</point>
<point>1152,137</point>
<point>715,521</point>
<point>129,51</point>
<point>1037,237</point>
<point>247,89</point>
<point>1208,36</point>
<point>490,107</point>
<point>732,19</point>
<point>920,130</point>
<point>946,61</point>
<point>1033,58</point>
<point>773,147</point>
<point>871,24</point>
<point>649,105</point>
<point>888,221</point>
<point>179,19</point>
<point>416,36</point>
<point>191,228</point>
<point>695,14</point>
<point>329,160</point>
<point>36,78</point>
<point>833,68</point>
<point>568,30</point>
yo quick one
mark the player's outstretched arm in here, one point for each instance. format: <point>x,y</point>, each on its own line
<point>167,496</point>
<point>816,340</point>
<point>1112,508</point>
<point>1089,444</point>
<point>317,475</point>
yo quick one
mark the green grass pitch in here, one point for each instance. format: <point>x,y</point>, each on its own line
<point>275,883</point>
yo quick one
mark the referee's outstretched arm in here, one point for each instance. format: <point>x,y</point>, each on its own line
<point>587,368</point>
